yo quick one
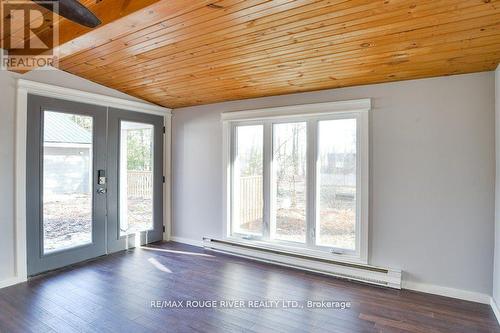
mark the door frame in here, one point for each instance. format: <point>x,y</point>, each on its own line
<point>115,241</point>
<point>25,87</point>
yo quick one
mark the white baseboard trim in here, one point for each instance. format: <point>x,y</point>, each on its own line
<point>495,308</point>
<point>380,276</point>
<point>188,241</point>
<point>415,286</point>
<point>10,282</point>
<point>447,292</point>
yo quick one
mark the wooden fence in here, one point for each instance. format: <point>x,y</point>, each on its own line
<point>140,184</point>
<point>251,203</point>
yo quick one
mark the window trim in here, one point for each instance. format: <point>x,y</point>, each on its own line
<point>311,114</point>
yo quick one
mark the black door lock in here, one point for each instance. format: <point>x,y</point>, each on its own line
<point>101,177</point>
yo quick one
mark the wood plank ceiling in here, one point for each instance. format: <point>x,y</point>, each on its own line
<point>184,52</point>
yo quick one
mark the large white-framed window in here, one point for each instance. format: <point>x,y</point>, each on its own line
<point>296,178</point>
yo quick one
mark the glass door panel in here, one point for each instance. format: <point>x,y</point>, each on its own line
<point>66,205</point>
<point>67,180</point>
<point>92,172</point>
<point>136,177</point>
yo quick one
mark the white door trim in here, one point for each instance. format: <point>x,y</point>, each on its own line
<point>25,87</point>
<point>48,90</point>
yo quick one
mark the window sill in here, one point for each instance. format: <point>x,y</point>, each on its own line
<point>298,251</point>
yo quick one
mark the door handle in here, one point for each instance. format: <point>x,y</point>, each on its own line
<point>101,190</point>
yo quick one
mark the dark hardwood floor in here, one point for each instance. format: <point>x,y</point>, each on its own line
<point>114,294</point>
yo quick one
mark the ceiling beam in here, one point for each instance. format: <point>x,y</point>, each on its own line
<point>72,37</point>
<point>137,16</point>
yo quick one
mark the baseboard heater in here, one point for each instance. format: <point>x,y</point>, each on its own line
<point>351,271</point>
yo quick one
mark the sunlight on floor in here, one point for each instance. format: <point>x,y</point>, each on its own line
<point>176,252</point>
<point>159,265</point>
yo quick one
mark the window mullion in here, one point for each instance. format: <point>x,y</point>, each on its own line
<point>267,164</point>
<point>312,157</point>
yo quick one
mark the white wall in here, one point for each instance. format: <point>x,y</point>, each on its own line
<point>7,131</point>
<point>432,172</point>
<point>432,175</point>
<point>496,276</point>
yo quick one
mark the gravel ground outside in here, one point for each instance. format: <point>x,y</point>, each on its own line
<point>68,219</point>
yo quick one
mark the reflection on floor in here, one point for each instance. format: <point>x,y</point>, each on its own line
<point>115,294</point>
